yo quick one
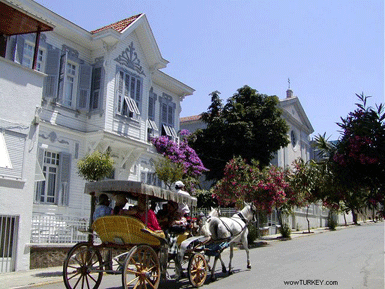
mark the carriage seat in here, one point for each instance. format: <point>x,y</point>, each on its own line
<point>123,230</point>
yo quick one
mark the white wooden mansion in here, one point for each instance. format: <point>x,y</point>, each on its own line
<point>66,92</point>
<point>300,130</point>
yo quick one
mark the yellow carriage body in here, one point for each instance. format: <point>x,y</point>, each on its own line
<point>124,230</point>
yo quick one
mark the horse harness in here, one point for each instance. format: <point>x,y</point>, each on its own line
<point>240,215</point>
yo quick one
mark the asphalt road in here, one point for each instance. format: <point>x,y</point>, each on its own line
<point>348,258</point>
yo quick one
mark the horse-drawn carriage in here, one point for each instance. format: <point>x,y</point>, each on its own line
<point>142,255</point>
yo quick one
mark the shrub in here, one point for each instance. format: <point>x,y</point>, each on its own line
<point>285,231</point>
<point>95,166</point>
<point>253,233</point>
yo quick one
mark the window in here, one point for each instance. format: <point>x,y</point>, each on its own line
<point>167,112</point>
<point>69,78</point>
<point>129,91</point>
<point>54,189</point>
<point>27,59</point>
<point>293,138</point>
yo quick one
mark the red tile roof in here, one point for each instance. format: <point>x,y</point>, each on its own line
<point>120,25</point>
<point>190,118</point>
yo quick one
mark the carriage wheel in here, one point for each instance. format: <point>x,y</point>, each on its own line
<point>197,269</point>
<point>82,267</point>
<point>141,268</point>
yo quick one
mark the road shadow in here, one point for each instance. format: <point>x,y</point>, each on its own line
<point>48,274</point>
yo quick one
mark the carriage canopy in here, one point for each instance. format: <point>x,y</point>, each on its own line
<point>131,189</point>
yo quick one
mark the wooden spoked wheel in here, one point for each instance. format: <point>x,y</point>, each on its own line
<point>197,269</point>
<point>83,267</point>
<point>141,269</point>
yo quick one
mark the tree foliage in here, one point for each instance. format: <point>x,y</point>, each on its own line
<point>168,171</point>
<point>267,188</point>
<point>355,165</point>
<point>95,166</point>
<point>249,125</point>
<point>179,155</point>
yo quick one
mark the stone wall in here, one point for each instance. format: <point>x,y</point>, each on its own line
<point>44,257</point>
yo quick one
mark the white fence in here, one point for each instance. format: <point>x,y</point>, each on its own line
<point>57,229</point>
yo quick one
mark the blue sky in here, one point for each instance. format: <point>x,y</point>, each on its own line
<point>330,49</point>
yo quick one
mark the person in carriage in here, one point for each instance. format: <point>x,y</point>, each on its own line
<point>139,212</point>
<point>103,207</point>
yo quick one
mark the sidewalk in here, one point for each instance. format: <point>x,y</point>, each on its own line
<point>36,277</point>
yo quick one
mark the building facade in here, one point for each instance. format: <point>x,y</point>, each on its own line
<point>94,90</point>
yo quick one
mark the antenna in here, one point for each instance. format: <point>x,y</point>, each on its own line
<point>288,80</point>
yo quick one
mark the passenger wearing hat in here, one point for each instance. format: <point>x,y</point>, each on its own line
<point>183,208</point>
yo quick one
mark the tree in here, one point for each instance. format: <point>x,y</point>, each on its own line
<point>95,166</point>
<point>169,172</point>
<point>267,188</point>
<point>305,181</point>
<point>360,152</point>
<point>249,125</point>
<point>355,164</point>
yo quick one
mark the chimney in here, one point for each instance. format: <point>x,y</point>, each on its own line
<point>289,93</point>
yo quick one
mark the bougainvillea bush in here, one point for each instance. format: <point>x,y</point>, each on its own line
<point>181,153</point>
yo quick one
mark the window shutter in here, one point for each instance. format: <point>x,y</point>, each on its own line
<point>64,178</point>
<point>62,76</point>
<point>121,101</point>
<point>164,113</point>
<point>85,74</point>
<point>170,116</point>
<point>39,176</point>
<point>52,71</point>
<point>151,108</point>
<point>15,143</point>
<point>138,93</point>
<point>97,88</point>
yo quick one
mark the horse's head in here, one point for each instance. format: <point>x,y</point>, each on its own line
<point>215,212</point>
<point>252,211</point>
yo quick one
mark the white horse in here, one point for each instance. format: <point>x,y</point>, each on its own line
<point>233,229</point>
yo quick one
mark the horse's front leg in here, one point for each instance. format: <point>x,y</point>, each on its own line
<point>246,246</point>
<point>231,257</point>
